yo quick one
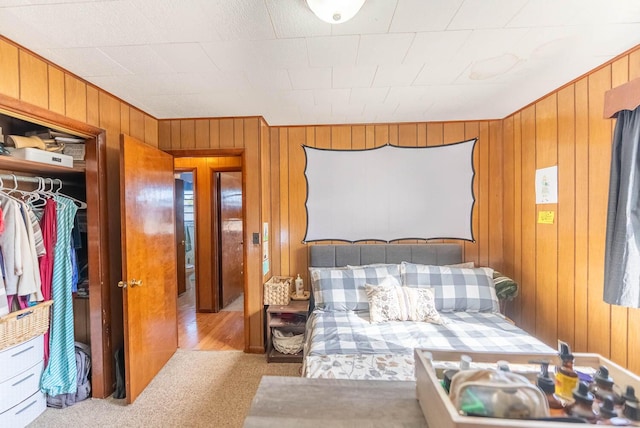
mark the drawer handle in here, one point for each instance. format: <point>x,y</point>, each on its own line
<point>22,380</point>
<point>24,315</point>
<point>26,407</point>
<point>23,351</point>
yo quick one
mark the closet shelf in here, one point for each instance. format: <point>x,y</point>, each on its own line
<point>9,163</point>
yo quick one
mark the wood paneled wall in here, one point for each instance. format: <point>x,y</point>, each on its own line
<point>283,186</point>
<point>223,137</point>
<point>288,185</point>
<point>32,79</point>
<point>27,77</point>
<point>560,266</point>
<point>266,180</point>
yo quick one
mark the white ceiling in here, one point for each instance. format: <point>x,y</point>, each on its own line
<point>396,61</point>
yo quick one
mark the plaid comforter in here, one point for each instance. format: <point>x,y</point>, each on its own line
<point>347,345</point>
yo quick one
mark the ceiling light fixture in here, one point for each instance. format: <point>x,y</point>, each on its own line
<point>335,11</point>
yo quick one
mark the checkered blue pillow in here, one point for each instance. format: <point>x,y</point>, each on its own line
<point>343,289</point>
<point>455,289</point>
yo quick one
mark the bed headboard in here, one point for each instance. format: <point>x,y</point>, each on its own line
<point>355,255</point>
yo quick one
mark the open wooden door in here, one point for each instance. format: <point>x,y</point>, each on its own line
<point>148,262</point>
<point>181,268</point>
<point>229,193</point>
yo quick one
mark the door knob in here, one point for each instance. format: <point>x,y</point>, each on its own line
<point>122,284</point>
<point>135,283</point>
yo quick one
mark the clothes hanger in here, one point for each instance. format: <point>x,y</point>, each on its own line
<point>38,195</point>
<point>49,193</point>
<point>7,195</point>
<point>80,204</point>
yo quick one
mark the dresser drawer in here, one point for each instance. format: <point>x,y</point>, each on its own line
<point>25,412</point>
<point>20,387</point>
<point>20,357</point>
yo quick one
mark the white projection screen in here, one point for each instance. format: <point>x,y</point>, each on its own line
<point>390,193</point>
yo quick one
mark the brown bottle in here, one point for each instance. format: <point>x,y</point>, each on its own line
<point>602,386</point>
<point>566,377</point>
<point>631,404</point>
<point>548,387</point>
<point>607,411</point>
<point>583,404</point>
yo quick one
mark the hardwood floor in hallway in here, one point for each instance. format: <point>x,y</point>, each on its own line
<point>208,331</point>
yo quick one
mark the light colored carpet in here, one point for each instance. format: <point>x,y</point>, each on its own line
<point>194,389</point>
<point>235,306</point>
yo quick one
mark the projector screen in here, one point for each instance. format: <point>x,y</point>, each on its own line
<point>390,193</point>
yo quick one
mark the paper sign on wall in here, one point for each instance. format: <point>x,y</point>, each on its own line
<point>265,248</point>
<point>547,185</point>
<point>546,217</point>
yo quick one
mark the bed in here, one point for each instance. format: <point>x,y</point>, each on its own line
<point>346,337</point>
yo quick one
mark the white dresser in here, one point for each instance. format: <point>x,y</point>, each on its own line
<point>21,366</point>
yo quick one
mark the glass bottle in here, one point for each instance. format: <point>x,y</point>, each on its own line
<point>602,386</point>
<point>566,377</point>
<point>548,387</point>
<point>607,411</point>
<point>299,287</point>
<point>583,404</point>
<point>631,404</point>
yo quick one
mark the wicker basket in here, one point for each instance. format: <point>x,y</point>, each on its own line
<point>20,326</point>
<point>287,343</point>
<point>277,291</point>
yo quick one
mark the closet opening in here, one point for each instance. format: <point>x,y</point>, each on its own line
<point>36,182</point>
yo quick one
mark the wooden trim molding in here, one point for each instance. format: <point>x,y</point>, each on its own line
<point>41,116</point>
<point>254,350</point>
<point>189,153</point>
<point>623,97</point>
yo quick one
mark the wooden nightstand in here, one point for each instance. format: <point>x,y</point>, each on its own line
<point>287,318</point>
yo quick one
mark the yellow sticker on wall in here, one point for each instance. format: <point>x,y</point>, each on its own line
<point>546,217</point>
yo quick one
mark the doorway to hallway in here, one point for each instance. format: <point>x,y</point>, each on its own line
<point>211,310</point>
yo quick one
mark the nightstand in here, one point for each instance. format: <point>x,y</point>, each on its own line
<point>287,318</point>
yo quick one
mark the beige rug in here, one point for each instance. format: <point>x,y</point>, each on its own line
<point>194,389</point>
<point>235,306</point>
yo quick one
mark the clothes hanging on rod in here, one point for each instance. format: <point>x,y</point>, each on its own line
<point>37,257</point>
<point>20,281</point>
<point>17,251</point>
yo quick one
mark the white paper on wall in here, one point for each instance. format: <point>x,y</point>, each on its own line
<point>390,193</point>
<point>547,185</point>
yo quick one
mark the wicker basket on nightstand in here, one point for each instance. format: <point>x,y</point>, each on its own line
<point>277,291</point>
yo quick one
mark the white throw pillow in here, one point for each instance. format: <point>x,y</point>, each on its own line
<point>388,301</point>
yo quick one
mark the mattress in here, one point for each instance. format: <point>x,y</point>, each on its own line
<point>346,345</point>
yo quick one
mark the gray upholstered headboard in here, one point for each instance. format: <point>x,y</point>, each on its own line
<point>342,255</point>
